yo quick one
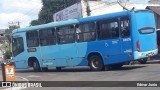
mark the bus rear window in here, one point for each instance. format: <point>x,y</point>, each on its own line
<point>146,30</point>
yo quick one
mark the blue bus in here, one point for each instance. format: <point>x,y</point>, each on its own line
<point>100,42</point>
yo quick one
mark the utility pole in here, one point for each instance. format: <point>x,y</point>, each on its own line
<point>88,10</point>
<point>18,24</point>
<point>14,24</point>
<point>123,1</point>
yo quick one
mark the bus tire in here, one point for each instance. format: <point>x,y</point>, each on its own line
<point>36,66</point>
<point>58,68</point>
<point>144,61</point>
<point>116,66</point>
<point>96,63</point>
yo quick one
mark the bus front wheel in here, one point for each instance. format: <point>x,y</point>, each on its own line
<point>36,66</point>
<point>96,63</point>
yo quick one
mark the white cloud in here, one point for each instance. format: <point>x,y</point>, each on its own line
<point>22,6</point>
<point>5,18</point>
<point>19,10</point>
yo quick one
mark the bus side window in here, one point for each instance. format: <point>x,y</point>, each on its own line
<point>47,37</point>
<point>108,29</point>
<point>78,31</point>
<point>115,29</point>
<point>125,27</point>
<point>32,39</point>
<point>103,33</point>
<point>85,32</point>
<point>66,34</point>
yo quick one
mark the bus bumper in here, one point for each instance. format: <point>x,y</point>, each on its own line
<point>140,55</point>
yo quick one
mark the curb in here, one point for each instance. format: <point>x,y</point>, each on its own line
<point>153,62</point>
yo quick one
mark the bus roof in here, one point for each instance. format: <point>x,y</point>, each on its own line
<point>73,21</point>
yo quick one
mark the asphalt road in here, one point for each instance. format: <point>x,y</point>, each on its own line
<point>138,72</point>
<point>126,73</point>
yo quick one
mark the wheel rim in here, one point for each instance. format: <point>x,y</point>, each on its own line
<point>95,63</point>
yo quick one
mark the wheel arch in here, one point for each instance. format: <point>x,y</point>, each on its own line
<point>31,60</point>
<point>95,53</point>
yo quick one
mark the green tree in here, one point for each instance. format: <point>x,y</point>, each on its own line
<point>49,8</point>
<point>34,22</point>
<point>8,53</point>
<point>9,31</point>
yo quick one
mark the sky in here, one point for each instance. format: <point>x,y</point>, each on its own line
<point>25,11</point>
<point>18,10</point>
<point>135,1</point>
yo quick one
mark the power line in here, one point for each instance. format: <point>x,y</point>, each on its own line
<point>14,24</point>
<point>27,14</point>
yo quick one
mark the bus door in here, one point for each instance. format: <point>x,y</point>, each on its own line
<point>66,45</point>
<point>19,50</point>
<point>33,48</point>
<point>48,47</point>
<point>109,30</point>
<point>126,39</point>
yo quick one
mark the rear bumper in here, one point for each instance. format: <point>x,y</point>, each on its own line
<point>140,55</point>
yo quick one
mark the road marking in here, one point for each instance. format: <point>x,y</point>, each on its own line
<point>33,76</point>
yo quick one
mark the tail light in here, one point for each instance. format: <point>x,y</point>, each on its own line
<point>138,46</point>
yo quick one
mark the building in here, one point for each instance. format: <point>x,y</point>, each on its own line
<point>156,10</point>
<point>154,1</point>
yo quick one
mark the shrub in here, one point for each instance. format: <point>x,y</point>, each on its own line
<point>8,54</point>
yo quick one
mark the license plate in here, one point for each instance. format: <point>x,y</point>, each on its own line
<point>149,54</point>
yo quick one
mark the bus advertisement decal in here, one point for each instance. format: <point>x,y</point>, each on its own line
<point>126,39</point>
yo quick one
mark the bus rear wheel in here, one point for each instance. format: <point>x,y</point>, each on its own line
<point>96,63</point>
<point>36,66</point>
<point>144,61</point>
